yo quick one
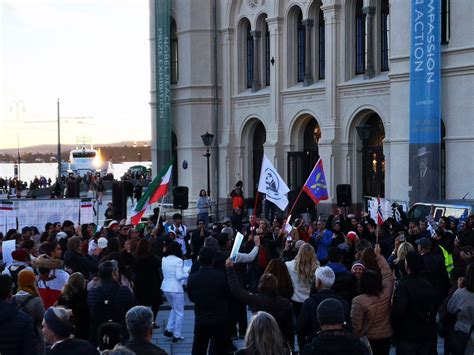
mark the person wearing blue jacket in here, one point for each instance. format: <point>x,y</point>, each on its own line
<point>322,238</point>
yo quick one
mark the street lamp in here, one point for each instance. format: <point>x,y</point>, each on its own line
<point>207,140</point>
<point>18,105</point>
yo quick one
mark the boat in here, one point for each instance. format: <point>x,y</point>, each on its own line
<point>83,160</point>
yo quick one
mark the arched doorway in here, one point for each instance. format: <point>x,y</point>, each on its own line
<point>305,138</point>
<point>371,133</point>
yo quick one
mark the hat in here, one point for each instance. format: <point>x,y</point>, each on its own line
<point>60,236</point>
<point>330,312</point>
<point>19,255</point>
<point>112,223</point>
<point>61,327</point>
<point>27,282</point>
<point>357,264</point>
<point>123,222</point>
<point>424,242</point>
<point>352,236</point>
<point>351,216</point>
<point>102,243</point>
<point>421,152</point>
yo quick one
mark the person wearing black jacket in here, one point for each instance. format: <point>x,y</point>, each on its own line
<point>208,290</point>
<point>109,300</point>
<point>414,310</point>
<point>333,339</point>
<point>74,260</point>
<point>197,237</point>
<point>307,325</point>
<point>16,327</point>
<point>266,300</point>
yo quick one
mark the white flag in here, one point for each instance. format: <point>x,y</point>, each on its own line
<point>272,184</point>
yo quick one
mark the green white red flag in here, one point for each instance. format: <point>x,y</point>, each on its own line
<point>157,189</point>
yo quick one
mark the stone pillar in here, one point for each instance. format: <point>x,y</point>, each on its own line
<point>369,12</point>
<point>256,62</point>
<point>308,75</point>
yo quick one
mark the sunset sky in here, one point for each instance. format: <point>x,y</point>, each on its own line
<point>91,54</point>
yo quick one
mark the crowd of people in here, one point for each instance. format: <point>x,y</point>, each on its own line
<point>341,285</point>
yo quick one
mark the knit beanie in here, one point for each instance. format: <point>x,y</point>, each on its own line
<point>60,327</point>
<point>330,312</point>
<point>26,282</point>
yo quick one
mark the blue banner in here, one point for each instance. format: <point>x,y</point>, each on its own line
<point>425,101</point>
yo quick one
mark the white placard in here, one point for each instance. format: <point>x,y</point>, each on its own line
<point>38,212</point>
<point>385,206</point>
<point>236,247</point>
<point>8,247</point>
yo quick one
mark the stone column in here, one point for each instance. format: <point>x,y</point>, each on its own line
<point>308,75</point>
<point>369,12</point>
<point>256,63</point>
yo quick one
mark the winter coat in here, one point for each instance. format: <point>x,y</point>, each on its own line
<point>144,347</point>
<point>323,242</point>
<point>35,309</point>
<point>278,307</point>
<point>173,274</point>
<point>147,280</point>
<point>16,330</point>
<point>72,347</point>
<point>307,325</point>
<point>335,342</point>
<point>370,315</point>
<point>208,290</point>
<point>80,263</point>
<point>435,272</point>
<point>462,304</point>
<point>78,304</point>
<point>301,289</point>
<point>414,310</point>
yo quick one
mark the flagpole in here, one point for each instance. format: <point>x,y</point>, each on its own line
<point>159,213</point>
<point>255,205</point>
<point>301,191</point>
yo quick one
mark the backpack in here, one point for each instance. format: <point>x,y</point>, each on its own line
<point>22,305</point>
<point>106,310</point>
<point>14,275</point>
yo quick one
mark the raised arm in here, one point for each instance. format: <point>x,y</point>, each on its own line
<point>236,289</point>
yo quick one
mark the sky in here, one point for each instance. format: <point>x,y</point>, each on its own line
<point>93,55</point>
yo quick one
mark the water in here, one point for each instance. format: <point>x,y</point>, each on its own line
<point>28,171</point>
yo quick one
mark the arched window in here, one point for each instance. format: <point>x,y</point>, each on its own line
<point>385,35</point>
<point>301,46</point>
<point>173,52</point>
<point>322,44</point>
<point>249,57</point>
<point>267,55</point>
<point>360,34</point>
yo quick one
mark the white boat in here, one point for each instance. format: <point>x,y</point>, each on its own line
<point>87,160</point>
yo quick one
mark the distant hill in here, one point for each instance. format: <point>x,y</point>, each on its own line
<point>52,148</point>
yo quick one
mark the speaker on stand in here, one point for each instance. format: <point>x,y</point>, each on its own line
<point>180,197</point>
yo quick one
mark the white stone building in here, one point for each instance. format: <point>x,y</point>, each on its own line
<point>294,80</point>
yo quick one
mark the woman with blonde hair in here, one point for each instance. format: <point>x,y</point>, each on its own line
<point>263,337</point>
<point>397,259</point>
<point>74,296</point>
<point>301,271</point>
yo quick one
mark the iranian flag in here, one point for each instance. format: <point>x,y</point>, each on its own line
<point>157,189</point>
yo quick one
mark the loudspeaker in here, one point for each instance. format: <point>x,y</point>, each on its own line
<point>344,195</point>
<point>119,201</point>
<point>180,197</point>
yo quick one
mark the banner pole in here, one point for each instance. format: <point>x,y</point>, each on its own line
<point>255,205</point>
<point>294,203</point>
<point>159,213</point>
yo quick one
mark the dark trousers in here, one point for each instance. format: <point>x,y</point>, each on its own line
<point>202,336</point>
<point>412,348</point>
<point>296,313</point>
<point>380,346</point>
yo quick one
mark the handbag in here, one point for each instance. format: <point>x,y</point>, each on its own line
<point>457,341</point>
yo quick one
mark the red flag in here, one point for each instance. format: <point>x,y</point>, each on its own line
<point>379,213</point>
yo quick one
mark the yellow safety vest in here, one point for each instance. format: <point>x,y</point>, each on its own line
<point>448,259</point>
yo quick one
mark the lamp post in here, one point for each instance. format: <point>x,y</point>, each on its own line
<point>18,105</point>
<point>207,140</point>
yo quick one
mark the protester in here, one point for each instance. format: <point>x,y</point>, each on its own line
<point>370,312</point>
<point>74,297</point>
<point>301,271</point>
<point>57,331</point>
<point>110,334</point>
<point>29,301</point>
<point>277,268</point>
<point>263,337</point>
<point>51,278</point>
<point>203,204</point>
<point>172,287</point>
<point>334,339</point>
<point>209,291</point>
<point>20,262</point>
<point>139,321</point>
<point>75,261</point>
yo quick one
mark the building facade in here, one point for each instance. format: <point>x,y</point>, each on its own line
<point>301,79</point>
